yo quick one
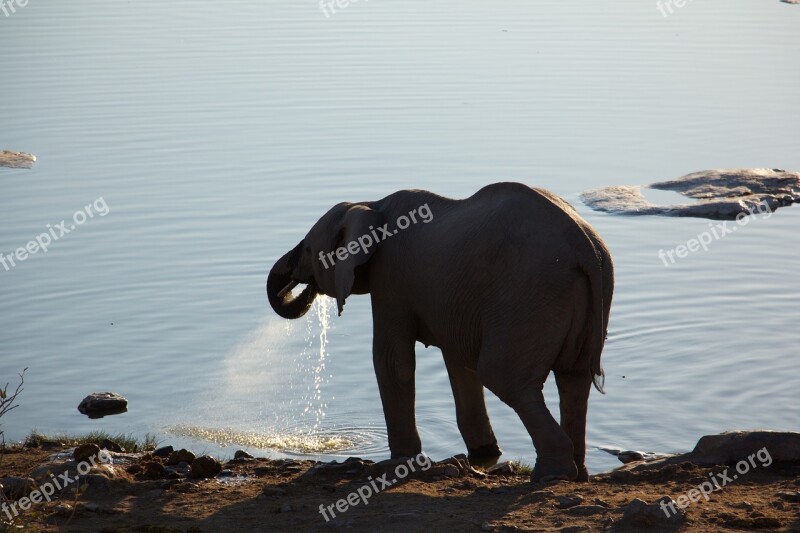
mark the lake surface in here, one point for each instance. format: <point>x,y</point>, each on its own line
<point>217,134</point>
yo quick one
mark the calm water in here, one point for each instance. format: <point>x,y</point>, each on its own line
<point>218,133</point>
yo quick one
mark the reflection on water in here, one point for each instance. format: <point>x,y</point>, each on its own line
<point>305,442</point>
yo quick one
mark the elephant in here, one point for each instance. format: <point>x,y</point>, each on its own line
<point>510,284</point>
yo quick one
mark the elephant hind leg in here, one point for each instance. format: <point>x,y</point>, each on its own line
<point>473,421</point>
<point>573,393</point>
<point>554,453</point>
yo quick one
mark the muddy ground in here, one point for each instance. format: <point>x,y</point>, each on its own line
<point>281,495</point>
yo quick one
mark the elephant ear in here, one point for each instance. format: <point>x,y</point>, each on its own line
<point>356,234</point>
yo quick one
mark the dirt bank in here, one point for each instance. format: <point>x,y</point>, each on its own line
<point>268,495</point>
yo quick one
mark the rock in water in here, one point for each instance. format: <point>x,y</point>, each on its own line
<point>100,404</point>
<point>16,159</point>
<point>717,194</point>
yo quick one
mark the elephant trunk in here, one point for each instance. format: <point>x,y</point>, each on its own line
<point>280,285</point>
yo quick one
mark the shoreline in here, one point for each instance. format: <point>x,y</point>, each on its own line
<point>165,490</point>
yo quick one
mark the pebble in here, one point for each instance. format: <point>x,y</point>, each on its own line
<point>241,454</point>
<point>451,471</point>
<point>63,509</point>
<point>570,500</point>
<point>501,469</point>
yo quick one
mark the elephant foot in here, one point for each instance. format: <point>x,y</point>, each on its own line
<point>583,474</point>
<point>547,471</point>
<point>485,455</point>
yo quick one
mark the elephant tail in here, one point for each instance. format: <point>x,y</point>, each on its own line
<point>597,267</point>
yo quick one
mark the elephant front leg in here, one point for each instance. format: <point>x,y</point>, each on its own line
<point>395,363</point>
<point>473,421</point>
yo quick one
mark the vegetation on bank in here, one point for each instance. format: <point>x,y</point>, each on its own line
<point>126,440</point>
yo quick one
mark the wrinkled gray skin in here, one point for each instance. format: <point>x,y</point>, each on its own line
<point>510,284</point>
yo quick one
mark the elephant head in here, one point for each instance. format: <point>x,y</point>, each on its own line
<point>326,260</point>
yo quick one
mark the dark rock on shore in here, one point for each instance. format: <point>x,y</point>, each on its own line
<point>732,447</point>
<point>164,451</point>
<point>181,456</point>
<point>111,446</point>
<point>16,487</point>
<point>205,467</point>
<point>85,451</point>
<point>241,454</point>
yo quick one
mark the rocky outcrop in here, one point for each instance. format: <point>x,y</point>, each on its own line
<point>732,447</point>
<point>16,159</point>
<point>758,449</point>
<point>717,194</point>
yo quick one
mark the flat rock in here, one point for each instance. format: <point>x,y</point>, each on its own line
<point>734,446</point>
<point>630,456</point>
<point>587,510</point>
<point>100,404</point>
<point>16,159</point>
<point>569,500</point>
<point>639,514</point>
<point>44,472</point>
<point>506,468</point>
<point>718,194</point>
